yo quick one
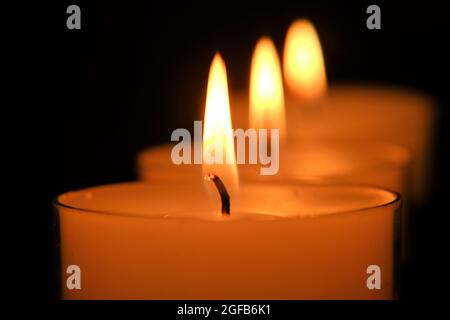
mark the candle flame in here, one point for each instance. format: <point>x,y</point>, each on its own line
<point>266,88</point>
<point>218,143</point>
<point>303,64</point>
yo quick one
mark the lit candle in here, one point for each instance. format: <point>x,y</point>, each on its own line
<point>353,112</point>
<point>168,241</point>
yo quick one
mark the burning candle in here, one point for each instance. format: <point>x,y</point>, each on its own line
<point>353,112</point>
<point>168,241</point>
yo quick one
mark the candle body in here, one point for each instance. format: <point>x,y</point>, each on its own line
<point>371,113</point>
<point>161,252</point>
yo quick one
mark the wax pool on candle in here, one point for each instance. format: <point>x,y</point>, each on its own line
<point>166,241</point>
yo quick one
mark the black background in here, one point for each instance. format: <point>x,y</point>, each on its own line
<point>84,102</point>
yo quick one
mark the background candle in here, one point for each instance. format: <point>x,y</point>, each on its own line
<point>354,111</point>
<point>146,241</point>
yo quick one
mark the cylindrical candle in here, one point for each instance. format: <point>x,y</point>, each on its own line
<point>353,111</point>
<point>165,241</point>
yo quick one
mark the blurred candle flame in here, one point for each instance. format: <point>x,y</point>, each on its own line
<point>303,63</point>
<point>266,88</point>
<point>217,128</point>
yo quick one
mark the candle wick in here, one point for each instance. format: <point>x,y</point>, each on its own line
<point>224,196</point>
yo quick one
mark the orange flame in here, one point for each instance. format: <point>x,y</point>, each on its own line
<point>266,88</point>
<point>218,143</point>
<point>303,64</point>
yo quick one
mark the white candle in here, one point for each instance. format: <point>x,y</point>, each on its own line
<point>167,241</point>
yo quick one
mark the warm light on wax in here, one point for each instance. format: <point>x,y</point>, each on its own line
<point>217,131</point>
<point>303,63</point>
<point>266,88</point>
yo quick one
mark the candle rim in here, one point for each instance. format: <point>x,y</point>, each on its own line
<point>395,201</point>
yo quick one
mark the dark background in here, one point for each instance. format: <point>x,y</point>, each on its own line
<point>136,71</point>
